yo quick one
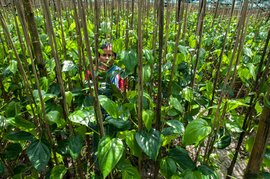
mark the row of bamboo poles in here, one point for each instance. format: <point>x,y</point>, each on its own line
<point>28,35</point>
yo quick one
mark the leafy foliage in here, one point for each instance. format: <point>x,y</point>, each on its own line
<point>48,138</point>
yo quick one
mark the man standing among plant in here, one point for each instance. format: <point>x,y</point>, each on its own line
<point>109,74</point>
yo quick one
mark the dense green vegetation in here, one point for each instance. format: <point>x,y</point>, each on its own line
<point>212,93</point>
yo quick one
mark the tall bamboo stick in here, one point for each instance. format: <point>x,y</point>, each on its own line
<point>99,117</point>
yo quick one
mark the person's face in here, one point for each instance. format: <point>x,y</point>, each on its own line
<point>106,59</point>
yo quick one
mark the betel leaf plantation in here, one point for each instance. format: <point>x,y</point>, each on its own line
<point>134,89</point>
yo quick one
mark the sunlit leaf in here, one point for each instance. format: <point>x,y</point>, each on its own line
<point>130,140</point>
<point>176,104</point>
<point>83,117</point>
<point>148,117</point>
<point>110,107</point>
<point>110,152</point>
<point>150,142</point>
<point>187,93</point>
<point>69,97</point>
<point>196,131</point>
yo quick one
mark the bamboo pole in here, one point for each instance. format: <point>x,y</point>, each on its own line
<point>260,143</point>
<point>127,26</point>
<point>99,116</point>
<point>220,58</point>
<point>175,50</point>
<point>140,67</point>
<point>200,32</point>
<point>185,21</point>
<point>96,17</point>
<point>154,40</point>
<point>54,48</point>
<point>159,85</point>
<point>140,74</point>
<point>80,46</point>
<point>29,15</point>
<point>239,52</point>
<point>159,100</point>
<point>168,17</point>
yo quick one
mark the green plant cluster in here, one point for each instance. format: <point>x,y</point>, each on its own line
<point>74,147</point>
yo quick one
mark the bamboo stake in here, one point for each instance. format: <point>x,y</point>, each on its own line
<point>175,52</point>
<point>29,15</point>
<point>161,28</point>
<point>140,75</point>
<point>215,15</point>
<point>96,16</point>
<point>80,45</point>
<point>200,32</point>
<point>185,22</point>
<point>260,143</point>
<point>59,15</point>
<point>220,58</point>
<point>99,117</point>
<point>54,48</point>
<point>32,100</point>
<point>127,25</point>
<point>159,98</point>
<point>20,38</point>
<point>168,16</point>
<point>132,14</point>
<point>140,65</point>
<point>154,39</point>
<point>239,52</point>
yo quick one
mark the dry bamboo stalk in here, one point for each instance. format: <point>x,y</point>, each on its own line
<point>260,143</point>
<point>168,17</point>
<point>60,20</point>
<point>220,57</point>
<point>239,52</point>
<point>127,25</point>
<point>175,50</point>
<point>96,17</point>
<point>99,116</point>
<point>185,21</point>
<point>54,48</point>
<point>29,15</point>
<point>140,67</point>
<point>154,39</point>
<point>161,28</point>
<point>200,32</point>
<point>80,45</point>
